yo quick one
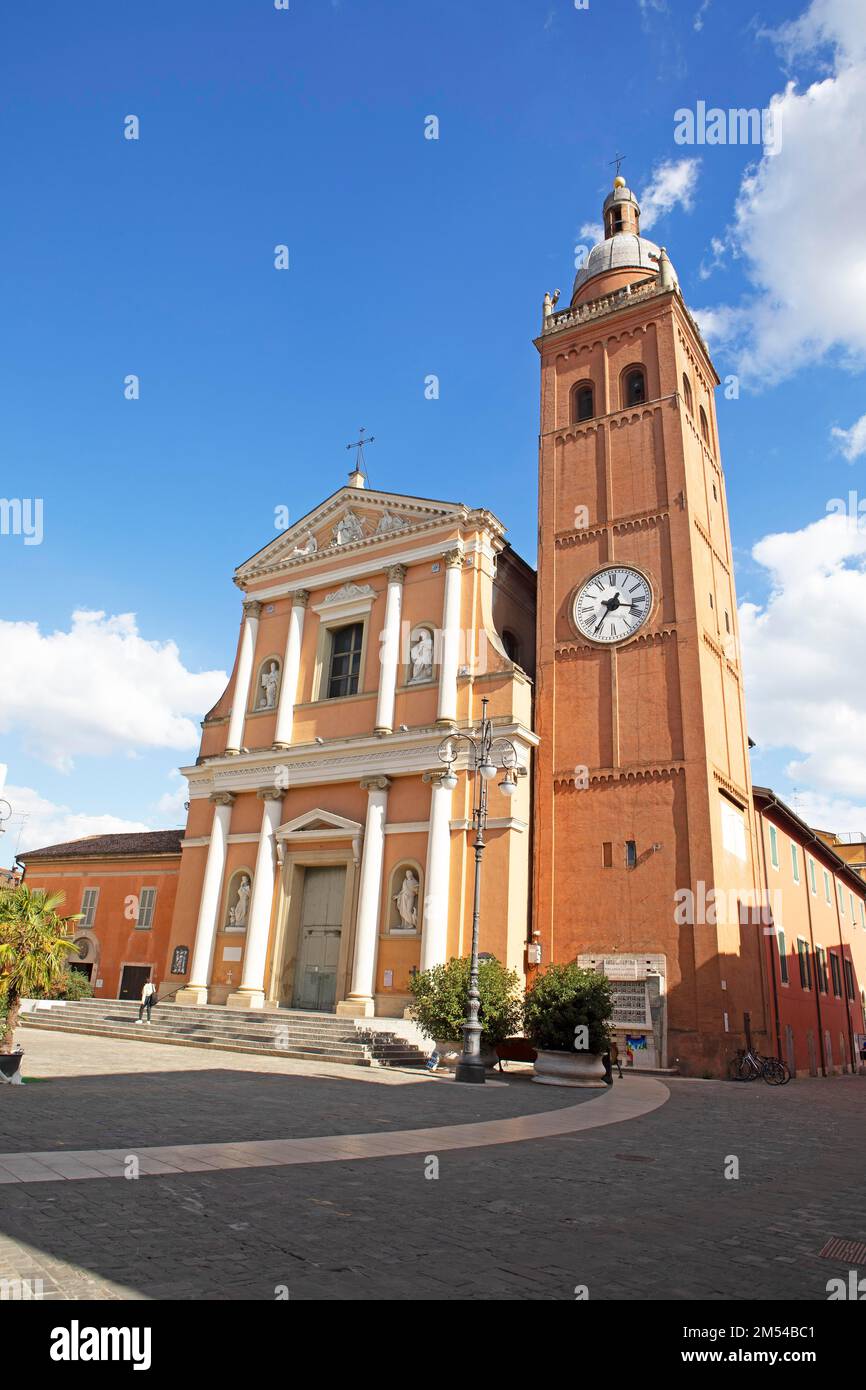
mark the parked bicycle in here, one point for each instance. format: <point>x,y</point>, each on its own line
<point>748,1065</point>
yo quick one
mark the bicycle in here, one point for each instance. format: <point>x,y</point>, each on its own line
<point>748,1065</point>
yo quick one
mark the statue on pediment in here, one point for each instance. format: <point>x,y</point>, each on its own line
<point>388,523</point>
<point>347,529</point>
<point>309,547</point>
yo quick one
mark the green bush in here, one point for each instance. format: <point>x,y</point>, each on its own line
<point>562,999</point>
<point>76,986</point>
<point>441,995</point>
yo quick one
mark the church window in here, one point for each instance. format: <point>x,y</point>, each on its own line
<point>826,886</point>
<point>712,605</point>
<point>774,847</point>
<point>821,968</point>
<point>715,494</point>
<point>841,896</point>
<point>812,880</point>
<point>795,863</point>
<point>630,854</point>
<point>849,979</point>
<point>344,668</point>
<point>635,386</point>
<point>705,428</point>
<point>687,394</point>
<point>607,854</point>
<point>582,403</point>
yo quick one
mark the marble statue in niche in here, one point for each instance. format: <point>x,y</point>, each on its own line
<point>406,901</point>
<point>421,656</point>
<point>270,682</point>
<point>238,914</point>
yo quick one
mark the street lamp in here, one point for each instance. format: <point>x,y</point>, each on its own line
<point>487,756</point>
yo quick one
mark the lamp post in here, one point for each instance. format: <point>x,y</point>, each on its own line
<point>484,750</point>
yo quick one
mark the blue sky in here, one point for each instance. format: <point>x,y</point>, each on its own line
<point>408,257</point>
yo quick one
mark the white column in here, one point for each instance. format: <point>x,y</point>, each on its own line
<point>195,992</point>
<point>450,657</point>
<point>390,650</point>
<point>360,1002</point>
<point>434,925</point>
<point>241,697</point>
<point>291,670</point>
<point>251,994</point>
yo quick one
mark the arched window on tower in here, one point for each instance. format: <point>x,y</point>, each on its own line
<point>687,394</point>
<point>634,386</point>
<point>582,402</point>
<point>705,428</point>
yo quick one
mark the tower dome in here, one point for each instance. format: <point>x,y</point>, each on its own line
<point>624,257</point>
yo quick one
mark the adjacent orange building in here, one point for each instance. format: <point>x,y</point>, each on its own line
<point>124,887</point>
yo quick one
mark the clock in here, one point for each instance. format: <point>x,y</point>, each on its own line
<point>612,604</point>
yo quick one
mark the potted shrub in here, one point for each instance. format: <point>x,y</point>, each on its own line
<point>562,1000</point>
<point>34,946</point>
<point>440,998</point>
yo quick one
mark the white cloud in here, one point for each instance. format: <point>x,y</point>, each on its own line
<point>800,212</point>
<point>852,441</point>
<point>823,812</point>
<point>171,806</point>
<point>592,232</point>
<point>672,184</point>
<point>804,655</point>
<point>100,688</point>
<point>37,822</point>
<point>698,22</point>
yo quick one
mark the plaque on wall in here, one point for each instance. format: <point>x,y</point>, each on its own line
<point>180,960</point>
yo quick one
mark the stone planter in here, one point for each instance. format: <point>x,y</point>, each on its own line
<point>10,1067</point>
<point>569,1069</point>
<point>448,1054</point>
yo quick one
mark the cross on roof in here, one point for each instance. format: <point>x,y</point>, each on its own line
<point>617,161</point>
<point>359,445</point>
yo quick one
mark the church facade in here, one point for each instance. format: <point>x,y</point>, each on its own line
<point>325,858</point>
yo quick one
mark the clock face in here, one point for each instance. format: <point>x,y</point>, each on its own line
<point>612,604</point>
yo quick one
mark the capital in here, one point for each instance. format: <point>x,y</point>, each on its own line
<point>375,784</point>
<point>252,607</point>
<point>396,574</point>
<point>453,559</point>
<point>436,778</point>
<point>271,793</point>
<point>222,798</point>
<point>300,598</point>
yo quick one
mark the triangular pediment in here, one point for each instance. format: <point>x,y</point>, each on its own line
<point>352,519</point>
<point>312,821</point>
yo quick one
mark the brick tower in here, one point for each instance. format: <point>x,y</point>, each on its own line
<point>644,828</point>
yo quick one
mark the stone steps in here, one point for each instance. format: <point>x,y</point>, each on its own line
<point>311,1037</point>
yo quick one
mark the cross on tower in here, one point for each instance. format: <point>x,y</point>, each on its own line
<point>359,445</point>
<point>617,161</point>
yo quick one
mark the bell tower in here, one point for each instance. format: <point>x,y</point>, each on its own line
<point>645,859</point>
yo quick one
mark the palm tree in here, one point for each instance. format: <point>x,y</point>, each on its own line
<point>34,945</point>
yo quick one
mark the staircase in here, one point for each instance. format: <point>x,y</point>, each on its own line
<point>275,1033</point>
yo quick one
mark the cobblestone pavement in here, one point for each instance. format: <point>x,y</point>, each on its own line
<point>640,1210</point>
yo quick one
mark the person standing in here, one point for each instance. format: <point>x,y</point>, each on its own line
<point>148,999</point>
